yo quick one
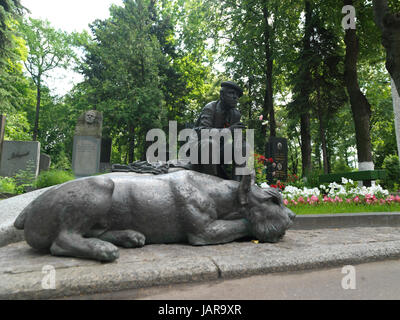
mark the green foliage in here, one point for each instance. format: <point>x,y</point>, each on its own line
<point>341,166</point>
<point>8,185</point>
<point>312,179</point>
<point>140,75</point>
<point>25,179</point>
<point>48,49</point>
<point>260,168</point>
<point>17,127</point>
<point>295,181</point>
<point>9,11</point>
<point>392,166</point>
<point>53,177</point>
<point>13,85</point>
<point>155,61</point>
<point>122,71</point>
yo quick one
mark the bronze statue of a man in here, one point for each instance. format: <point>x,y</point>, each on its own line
<point>221,114</point>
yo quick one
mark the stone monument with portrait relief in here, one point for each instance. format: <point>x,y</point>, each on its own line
<point>87,144</point>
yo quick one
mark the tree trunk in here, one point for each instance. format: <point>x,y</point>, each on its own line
<point>268,107</point>
<point>317,152</point>
<point>389,24</point>
<point>322,133</point>
<point>305,143</point>
<point>396,111</point>
<point>360,106</point>
<point>38,96</point>
<point>305,131</point>
<point>322,136</point>
<point>294,158</point>
<point>250,88</point>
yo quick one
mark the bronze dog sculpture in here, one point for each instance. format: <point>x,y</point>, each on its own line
<point>89,217</point>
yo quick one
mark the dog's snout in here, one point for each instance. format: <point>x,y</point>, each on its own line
<point>291,214</point>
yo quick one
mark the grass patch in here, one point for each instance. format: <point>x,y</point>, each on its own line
<point>331,208</point>
<point>52,178</point>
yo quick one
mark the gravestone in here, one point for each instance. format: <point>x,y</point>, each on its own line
<point>277,149</point>
<point>87,144</point>
<point>19,155</point>
<point>105,155</point>
<point>45,161</point>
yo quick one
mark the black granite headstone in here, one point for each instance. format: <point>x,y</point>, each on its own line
<point>277,149</point>
<point>105,154</point>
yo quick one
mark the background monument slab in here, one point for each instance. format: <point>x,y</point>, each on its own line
<point>16,155</point>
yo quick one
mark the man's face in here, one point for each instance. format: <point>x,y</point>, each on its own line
<point>230,97</point>
<point>90,117</point>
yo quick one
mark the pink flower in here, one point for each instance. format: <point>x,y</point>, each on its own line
<point>285,202</point>
<point>397,198</point>
<point>294,202</point>
<point>261,118</point>
<point>337,199</point>
<point>301,200</point>
<point>382,201</point>
<point>348,200</point>
<point>356,199</point>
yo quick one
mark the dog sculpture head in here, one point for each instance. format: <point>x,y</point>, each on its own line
<point>269,218</point>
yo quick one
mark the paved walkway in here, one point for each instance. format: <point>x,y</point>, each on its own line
<point>368,281</point>
<point>23,272</point>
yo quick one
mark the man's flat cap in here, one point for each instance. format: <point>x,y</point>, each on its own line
<point>232,85</point>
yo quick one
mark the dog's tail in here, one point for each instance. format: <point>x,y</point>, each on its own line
<point>19,223</point>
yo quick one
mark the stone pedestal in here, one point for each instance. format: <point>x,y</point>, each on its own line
<point>86,155</point>
<point>87,144</point>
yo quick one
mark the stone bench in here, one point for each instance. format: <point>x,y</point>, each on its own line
<point>365,176</point>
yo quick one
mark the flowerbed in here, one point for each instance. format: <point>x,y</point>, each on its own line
<point>345,197</point>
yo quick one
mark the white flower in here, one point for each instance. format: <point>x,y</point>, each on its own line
<point>344,180</point>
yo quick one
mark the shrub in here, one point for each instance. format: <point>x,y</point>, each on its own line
<point>8,185</point>
<point>53,177</point>
<point>392,166</point>
<point>312,179</point>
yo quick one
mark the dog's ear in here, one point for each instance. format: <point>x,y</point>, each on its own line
<point>244,189</point>
<point>274,194</point>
